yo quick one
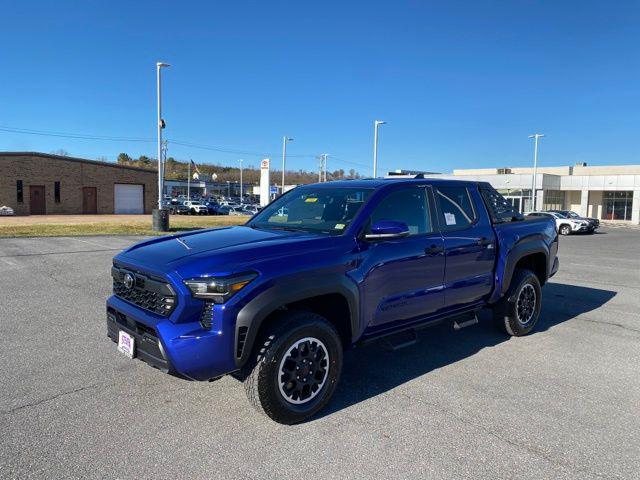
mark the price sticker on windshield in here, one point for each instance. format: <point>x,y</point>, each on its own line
<point>311,199</point>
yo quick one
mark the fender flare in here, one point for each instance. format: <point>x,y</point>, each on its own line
<point>283,292</point>
<point>521,250</point>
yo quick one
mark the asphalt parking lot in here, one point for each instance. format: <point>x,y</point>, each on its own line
<point>563,402</point>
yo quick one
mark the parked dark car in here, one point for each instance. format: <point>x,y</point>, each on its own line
<point>176,207</point>
<point>212,207</point>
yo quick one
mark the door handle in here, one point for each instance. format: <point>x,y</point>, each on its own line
<point>433,249</point>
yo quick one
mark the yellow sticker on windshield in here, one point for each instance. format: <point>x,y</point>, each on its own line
<point>311,199</point>
<point>339,226</point>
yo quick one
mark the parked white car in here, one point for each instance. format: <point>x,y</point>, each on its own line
<point>6,211</point>
<point>564,225</point>
<point>196,208</point>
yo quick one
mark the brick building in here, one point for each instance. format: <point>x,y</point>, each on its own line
<point>40,183</point>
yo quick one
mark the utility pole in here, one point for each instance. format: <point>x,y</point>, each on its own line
<point>285,139</point>
<point>535,137</point>
<point>324,163</point>
<point>189,180</point>
<point>241,180</point>
<point>376,124</point>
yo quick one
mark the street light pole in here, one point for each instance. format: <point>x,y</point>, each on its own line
<point>159,66</point>
<point>285,139</point>
<point>241,179</point>
<point>535,137</point>
<point>376,124</point>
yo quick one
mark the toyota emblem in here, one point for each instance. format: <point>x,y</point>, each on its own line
<point>129,281</point>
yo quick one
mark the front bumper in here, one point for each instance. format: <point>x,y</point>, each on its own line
<point>582,228</point>
<point>182,348</point>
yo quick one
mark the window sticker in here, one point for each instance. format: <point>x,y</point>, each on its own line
<point>449,218</point>
<point>339,226</point>
<point>311,199</point>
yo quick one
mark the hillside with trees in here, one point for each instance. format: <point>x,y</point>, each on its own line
<point>178,170</point>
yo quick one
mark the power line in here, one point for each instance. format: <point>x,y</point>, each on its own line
<point>81,136</point>
<point>73,135</point>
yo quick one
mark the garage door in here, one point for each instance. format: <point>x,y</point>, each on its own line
<point>128,198</point>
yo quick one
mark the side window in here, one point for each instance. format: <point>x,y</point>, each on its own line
<point>455,207</point>
<point>409,206</point>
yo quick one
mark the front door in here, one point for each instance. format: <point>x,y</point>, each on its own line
<point>402,278</point>
<point>89,201</point>
<point>469,243</point>
<point>37,200</point>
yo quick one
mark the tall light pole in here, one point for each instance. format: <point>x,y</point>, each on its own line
<point>285,139</point>
<point>376,124</point>
<point>159,66</point>
<point>240,161</point>
<point>535,137</point>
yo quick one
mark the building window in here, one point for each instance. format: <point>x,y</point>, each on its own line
<point>520,199</point>
<point>56,191</point>
<point>617,205</point>
<point>19,191</point>
<point>553,200</point>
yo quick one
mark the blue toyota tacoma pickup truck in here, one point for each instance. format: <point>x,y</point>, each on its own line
<point>275,302</point>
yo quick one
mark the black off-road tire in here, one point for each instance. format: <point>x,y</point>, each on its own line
<point>262,376</point>
<point>565,229</point>
<point>517,313</point>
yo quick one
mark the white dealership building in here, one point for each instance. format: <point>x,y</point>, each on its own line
<point>605,192</point>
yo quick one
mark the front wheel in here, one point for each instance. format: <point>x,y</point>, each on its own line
<point>565,230</point>
<point>295,369</point>
<point>518,311</point>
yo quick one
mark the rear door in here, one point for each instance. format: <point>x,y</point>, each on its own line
<point>469,244</point>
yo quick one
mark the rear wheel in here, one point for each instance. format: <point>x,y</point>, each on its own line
<point>565,229</point>
<point>518,312</point>
<point>296,368</point>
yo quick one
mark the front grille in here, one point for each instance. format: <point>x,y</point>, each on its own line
<point>146,293</point>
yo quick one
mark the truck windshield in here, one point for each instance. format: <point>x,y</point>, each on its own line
<point>317,209</point>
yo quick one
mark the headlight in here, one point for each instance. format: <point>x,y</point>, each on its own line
<point>218,289</point>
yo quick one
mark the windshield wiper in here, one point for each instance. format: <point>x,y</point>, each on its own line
<point>288,229</point>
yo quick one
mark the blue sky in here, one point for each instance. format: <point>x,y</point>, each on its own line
<point>461,83</point>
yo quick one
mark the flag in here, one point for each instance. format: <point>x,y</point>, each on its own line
<point>196,175</point>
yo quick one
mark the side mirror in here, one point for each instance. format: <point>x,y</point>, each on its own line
<point>387,230</point>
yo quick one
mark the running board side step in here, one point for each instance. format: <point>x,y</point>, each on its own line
<point>465,321</point>
<point>401,340</point>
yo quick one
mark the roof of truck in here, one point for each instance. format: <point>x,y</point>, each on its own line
<point>380,182</point>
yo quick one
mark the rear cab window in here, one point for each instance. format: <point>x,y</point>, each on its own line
<point>455,207</point>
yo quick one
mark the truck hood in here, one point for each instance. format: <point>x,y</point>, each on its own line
<point>218,251</point>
